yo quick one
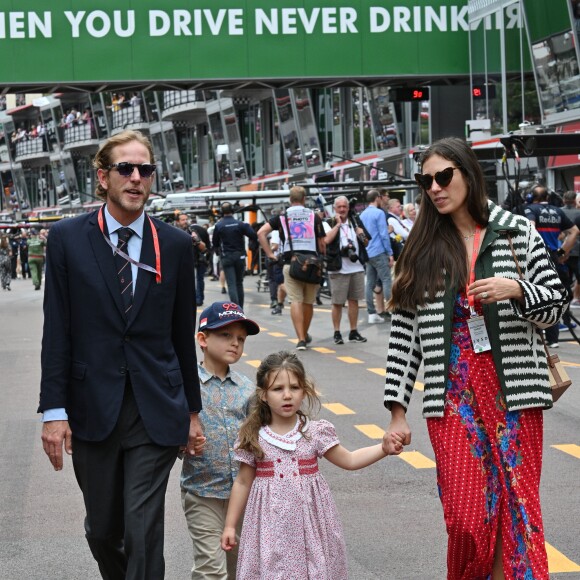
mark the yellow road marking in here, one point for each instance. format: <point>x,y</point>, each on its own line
<point>557,562</point>
<point>417,460</point>
<point>253,363</point>
<point>571,449</point>
<point>570,364</point>
<point>277,334</point>
<point>349,359</point>
<point>371,431</point>
<point>262,329</point>
<point>293,340</point>
<point>338,409</point>
<point>323,350</point>
<point>383,373</point>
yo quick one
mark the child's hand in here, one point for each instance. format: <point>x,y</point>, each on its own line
<point>393,443</point>
<point>228,540</point>
<point>199,444</point>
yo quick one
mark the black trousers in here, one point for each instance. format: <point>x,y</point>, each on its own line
<point>124,480</point>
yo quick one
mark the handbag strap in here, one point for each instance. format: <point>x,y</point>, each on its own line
<point>289,234</point>
<point>518,268</point>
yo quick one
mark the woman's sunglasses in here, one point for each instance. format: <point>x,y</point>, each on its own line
<point>443,178</point>
<point>126,169</point>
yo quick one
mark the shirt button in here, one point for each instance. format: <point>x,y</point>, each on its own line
<point>279,460</point>
<point>294,459</point>
<point>281,475</point>
<point>295,474</point>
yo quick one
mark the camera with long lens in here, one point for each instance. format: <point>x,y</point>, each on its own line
<point>354,218</point>
<point>349,251</point>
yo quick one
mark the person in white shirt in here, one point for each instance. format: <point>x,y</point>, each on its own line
<point>347,282</point>
<point>410,212</point>
<point>394,212</point>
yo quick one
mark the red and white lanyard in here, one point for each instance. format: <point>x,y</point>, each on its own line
<point>475,253</point>
<point>146,267</point>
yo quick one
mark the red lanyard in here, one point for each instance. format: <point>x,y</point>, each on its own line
<point>475,253</point>
<point>146,267</point>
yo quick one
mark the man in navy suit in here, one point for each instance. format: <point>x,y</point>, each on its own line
<point>119,385</point>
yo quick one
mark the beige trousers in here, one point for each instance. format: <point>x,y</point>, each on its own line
<point>206,517</point>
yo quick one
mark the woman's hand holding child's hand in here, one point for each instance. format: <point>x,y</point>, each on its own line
<point>393,443</point>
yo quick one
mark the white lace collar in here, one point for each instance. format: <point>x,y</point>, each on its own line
<point>288,441</point>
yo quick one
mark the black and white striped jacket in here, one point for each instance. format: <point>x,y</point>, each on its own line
<point>518,353</point>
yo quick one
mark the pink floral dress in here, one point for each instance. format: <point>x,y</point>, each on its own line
<point>292,529</point>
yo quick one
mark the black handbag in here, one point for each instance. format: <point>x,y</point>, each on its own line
<point>304,267</point>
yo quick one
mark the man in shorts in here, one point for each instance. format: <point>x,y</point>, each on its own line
<point>307,238</point>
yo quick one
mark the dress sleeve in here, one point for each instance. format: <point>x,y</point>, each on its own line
<point>244,456</point>
<point>326,437</point>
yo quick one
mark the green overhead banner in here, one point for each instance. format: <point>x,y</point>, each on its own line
<point>160,41</point>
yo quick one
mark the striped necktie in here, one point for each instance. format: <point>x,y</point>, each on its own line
<point>124,268</point>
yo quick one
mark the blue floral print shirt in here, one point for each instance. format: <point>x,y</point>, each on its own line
<point>225,406</point>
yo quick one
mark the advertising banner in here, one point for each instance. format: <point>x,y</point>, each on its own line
<point>91,41</point>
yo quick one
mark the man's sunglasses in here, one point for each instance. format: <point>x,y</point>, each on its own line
<point>126,169</point>
<point>443,178</point>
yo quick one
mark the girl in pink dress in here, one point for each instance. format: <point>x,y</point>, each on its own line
<point>291,526</point>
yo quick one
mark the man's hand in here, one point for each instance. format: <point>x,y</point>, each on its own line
<point>54,433</point>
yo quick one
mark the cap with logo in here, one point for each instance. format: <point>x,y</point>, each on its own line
<point>223,313</point>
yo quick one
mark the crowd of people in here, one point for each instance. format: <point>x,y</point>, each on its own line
<point>22,134</point>
<point>22,255</point>
<point>472,289</point>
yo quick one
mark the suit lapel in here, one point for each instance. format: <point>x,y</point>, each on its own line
<point>144,278</point>
<point>106,262</point>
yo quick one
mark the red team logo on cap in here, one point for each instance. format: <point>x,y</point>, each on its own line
<point>230,306</point>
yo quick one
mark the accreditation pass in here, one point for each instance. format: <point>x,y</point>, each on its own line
<point>478,333</point>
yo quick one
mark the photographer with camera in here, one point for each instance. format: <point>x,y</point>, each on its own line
<point>345,239</point>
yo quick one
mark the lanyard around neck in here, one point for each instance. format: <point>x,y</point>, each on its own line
<point>146,267</point>
<point>474,254</point>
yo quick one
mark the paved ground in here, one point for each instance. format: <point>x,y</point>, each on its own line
<point>391,513</point>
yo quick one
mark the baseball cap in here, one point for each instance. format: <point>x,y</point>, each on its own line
<point>223,313</point>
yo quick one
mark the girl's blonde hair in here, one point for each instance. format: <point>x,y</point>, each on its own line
<point>260,413</point>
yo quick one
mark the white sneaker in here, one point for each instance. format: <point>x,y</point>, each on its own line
<point>376,319</point>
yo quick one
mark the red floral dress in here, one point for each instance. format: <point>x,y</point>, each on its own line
<point>489,462</point>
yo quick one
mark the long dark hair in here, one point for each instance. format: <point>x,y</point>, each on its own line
<point>434,246</point>
<point>260,413</point>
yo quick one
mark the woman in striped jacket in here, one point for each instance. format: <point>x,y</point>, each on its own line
<point>460,307</point>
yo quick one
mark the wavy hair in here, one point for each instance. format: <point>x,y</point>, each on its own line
<point>102,159</point>
<point>260,413</point>
<point>435,247</point>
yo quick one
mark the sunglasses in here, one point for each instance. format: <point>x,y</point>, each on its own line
<point>443,178</point>
<point>126,169</point>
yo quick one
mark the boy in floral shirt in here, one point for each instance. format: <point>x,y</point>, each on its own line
<point>207,479</point>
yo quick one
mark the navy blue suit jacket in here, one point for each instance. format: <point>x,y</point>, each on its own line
<point>89,345</point>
